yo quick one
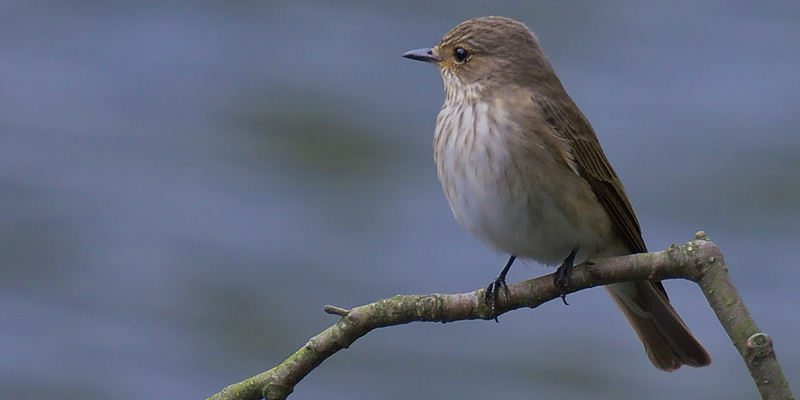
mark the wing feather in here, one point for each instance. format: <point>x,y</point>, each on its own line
<point>567,121</point>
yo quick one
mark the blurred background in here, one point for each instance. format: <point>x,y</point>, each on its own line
<point>184,185</point>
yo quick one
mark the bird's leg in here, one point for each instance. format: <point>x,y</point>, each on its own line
<point>561,277</point>
<point>493,290</point>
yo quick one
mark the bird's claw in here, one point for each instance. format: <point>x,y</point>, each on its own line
<point>561,277</point>
<point>492,294</point>
<point>561,281</point>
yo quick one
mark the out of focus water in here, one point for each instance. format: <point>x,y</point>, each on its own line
<point>183,186</point>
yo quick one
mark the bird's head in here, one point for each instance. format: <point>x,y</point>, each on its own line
<point>484,53</point>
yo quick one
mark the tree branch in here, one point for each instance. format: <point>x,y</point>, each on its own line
<point>699,261</point>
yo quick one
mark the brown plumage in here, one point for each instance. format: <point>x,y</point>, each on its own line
<point>523,171</point>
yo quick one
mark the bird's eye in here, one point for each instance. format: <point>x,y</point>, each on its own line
<point>460,54</point>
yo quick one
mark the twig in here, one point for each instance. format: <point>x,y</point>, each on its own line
<point>699,261</point>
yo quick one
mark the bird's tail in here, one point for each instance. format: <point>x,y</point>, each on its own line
<point>668,342</point>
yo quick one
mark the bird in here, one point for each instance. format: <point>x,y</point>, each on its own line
<point>523,171</point>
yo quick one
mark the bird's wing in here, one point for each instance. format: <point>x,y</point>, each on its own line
<point>567,121</point>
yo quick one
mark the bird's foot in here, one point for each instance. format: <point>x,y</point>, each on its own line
<point>492,292</point>
<point>562,274</point>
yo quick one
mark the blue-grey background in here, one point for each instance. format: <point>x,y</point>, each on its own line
<point>184,185</point>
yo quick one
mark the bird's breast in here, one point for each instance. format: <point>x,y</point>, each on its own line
<point>512,200</point>
<point>473,159</point>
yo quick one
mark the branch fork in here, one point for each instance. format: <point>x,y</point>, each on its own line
<point>699,261</point>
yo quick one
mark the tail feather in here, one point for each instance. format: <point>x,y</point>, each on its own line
<point>668,342</point>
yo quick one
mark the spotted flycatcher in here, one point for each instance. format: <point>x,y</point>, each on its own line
<point>524,172</point>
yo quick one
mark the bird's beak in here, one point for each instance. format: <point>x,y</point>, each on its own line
<point>423,55</point>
